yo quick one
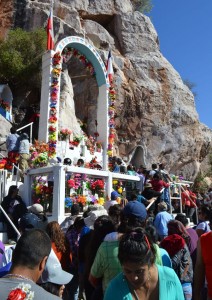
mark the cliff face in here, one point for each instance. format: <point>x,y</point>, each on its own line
<point>155,111</point>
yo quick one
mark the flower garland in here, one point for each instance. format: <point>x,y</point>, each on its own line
<point>21,292</point>
<point>54,94</point>
<point>69,52</point>
<point>111,112</point>
<point>39,152</point>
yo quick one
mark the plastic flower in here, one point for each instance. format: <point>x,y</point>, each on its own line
<point>101,201</point>
<point>68,202</point>
<point>52,128</point>
<point>82,199</point>
<point>53,119</point>
<point>21,292</point>
<point>71,183</point>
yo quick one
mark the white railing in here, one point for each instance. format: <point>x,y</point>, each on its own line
<point>10,221</point>
<point>59,175</point>
<point>179,197</point>
<point>30,135</point>
<point>3,183</point>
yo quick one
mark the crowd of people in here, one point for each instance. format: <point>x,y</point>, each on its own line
<point>131,248</point>
<point>119,251</point>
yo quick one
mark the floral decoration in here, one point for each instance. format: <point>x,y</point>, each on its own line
<point>40,153</point>
<point>53,119</point>
<point>64,133</point>
<point>97,185</point>
<point>111,112</point>
<point>76,140</point>
<point>41,193</point>
<point>90,143</point>
<point>69,52</point>
<point>84,190</point>
<point>54,98</point>
<point>21,292</point>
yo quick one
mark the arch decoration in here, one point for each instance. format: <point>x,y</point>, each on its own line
<point>50,94</point>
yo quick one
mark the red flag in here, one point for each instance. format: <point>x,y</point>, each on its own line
<point>50,32</point>
<point>109,67</point>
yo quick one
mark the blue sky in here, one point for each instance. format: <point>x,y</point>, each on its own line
<point>184,28</point>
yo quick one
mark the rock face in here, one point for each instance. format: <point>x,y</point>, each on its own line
<point>156,118</point>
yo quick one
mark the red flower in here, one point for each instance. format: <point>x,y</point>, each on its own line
<point>16,294</point>
<point>52,129</point>
<point>71,183</point>
<point>96,134</point>
<point>98,184</point>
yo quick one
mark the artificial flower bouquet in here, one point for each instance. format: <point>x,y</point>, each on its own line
<point>64,133</point>
<point>76,140</point>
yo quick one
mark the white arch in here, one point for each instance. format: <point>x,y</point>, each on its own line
<point>101,76</point>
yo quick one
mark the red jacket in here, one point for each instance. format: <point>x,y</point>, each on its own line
<point>158,185</point>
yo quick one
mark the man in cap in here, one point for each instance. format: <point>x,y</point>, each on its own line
<point>37,209</point>
<point>113,200</point>
<point>161,220</point>
<point>28,262</point>
<point>28,221</point>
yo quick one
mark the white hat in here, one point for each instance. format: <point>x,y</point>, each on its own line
<point>110,203</point>
<point>53,271</point>
<point>93,215</point>
<point>35,208</point>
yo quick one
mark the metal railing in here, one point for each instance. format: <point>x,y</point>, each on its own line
<point>25,126</point>
<point>10,221</point>
<point>3,183</point>
<point>180,190</point>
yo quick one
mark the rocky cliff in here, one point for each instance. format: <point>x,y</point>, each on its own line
<point>156,118</point>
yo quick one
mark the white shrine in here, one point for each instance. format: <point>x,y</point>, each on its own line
<point>50,101</point>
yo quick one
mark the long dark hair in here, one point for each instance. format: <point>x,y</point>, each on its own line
<point>176,227</point>
<point>12,189</point>
<point>137,248</point>
<point>102,226</point>
<point>57,236</point>
<point>52,288</point>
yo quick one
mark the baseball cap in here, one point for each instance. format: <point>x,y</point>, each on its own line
<point>136,209</point>
<point>162,205</point>
<point>29,221</point>
<point>114,195</point>
<point>35,208</point>
<point>93,215</point>
<point>53,271</point>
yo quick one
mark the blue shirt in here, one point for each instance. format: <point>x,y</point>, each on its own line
<point>12,142</point>
<point>161,221</point>
<point>170,287</point>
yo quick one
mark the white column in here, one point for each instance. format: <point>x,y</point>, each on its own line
<point>102,120</point>
<point>109,184</point>
<point>45,95</point>
<point>58,207</point>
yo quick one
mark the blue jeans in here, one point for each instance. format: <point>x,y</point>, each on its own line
<point>187,290</point>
